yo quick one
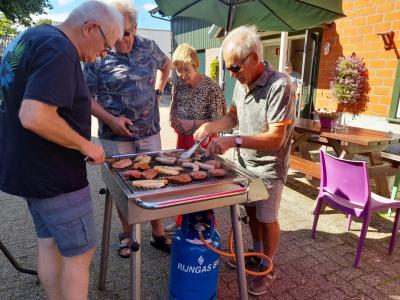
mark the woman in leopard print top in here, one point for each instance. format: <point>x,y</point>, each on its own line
<point>196,99</point>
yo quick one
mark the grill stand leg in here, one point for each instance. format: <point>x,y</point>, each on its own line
<point>105,241</point>
<point>135,262</point>
<point>237,232</point>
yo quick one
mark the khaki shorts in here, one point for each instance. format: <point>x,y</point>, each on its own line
<point>267,209</point>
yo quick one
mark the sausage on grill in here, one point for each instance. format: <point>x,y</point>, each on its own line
<point>217,172</point>
<point>198,175</point>
<point>194,166</point>
<point>204,166</point>
<point>166,170</point>
<point>213,162</point>
<point>166,160</point>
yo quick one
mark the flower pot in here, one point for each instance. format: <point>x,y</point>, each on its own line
<point>327,123</point>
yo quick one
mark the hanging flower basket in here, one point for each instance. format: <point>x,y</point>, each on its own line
<point>349,85</point>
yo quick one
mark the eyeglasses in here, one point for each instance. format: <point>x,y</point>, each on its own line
<point>107,47</point>
<point>236,68</point>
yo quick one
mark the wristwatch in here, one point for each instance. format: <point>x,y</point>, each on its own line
<point>238,141</point>
<point>158,92</point>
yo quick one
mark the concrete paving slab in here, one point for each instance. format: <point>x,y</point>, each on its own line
<point>306,269</point>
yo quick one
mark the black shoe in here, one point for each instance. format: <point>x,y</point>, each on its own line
<point>160,242</point>
<point>251,262</point>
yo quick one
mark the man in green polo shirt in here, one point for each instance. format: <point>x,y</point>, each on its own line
<point>263,109</point>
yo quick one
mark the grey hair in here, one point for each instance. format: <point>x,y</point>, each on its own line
<point>100,12</point>
<point>242,41</point>
<point>125,7</point>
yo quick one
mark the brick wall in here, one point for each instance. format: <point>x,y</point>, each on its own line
<point>358,32</point>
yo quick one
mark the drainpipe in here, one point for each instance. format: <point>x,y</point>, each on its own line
<point>283,51</point>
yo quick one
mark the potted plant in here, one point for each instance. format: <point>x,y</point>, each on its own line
<point>349,85</point>
<point>327,118</point>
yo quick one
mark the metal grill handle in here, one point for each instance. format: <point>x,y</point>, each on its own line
<point>186,200</point>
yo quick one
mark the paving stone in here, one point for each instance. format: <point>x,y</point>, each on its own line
<point>305,268</point>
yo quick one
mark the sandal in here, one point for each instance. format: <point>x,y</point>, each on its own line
<point>126,253</point>
<point>124,245</point>
<point>159,242</point>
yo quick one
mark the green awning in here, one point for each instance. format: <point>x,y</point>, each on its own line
<point>267,15</point>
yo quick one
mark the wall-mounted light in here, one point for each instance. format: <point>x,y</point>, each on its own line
<point>388,41</point>
<point>387,38</point>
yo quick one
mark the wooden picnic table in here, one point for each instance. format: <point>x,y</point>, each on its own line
<point>347,143</point>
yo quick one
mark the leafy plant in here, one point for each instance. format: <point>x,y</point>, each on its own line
<point>349,84</point>
<point>214,66</point>
<point>6,26</point>
<point>20,11</point>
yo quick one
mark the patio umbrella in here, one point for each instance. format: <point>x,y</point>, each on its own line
<point>271,15</point>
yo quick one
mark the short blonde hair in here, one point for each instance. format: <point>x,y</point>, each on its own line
<point>183,55</point>
<point>125,7</point>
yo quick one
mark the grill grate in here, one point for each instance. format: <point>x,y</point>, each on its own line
<point>230,173</point>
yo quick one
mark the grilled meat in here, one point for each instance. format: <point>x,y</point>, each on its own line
<point>194,166</point>
<point>180,179</point>
<point>141,165</point>
<point>198,175</point>
<point>166,160</point>
<point>166,170</point>
<point>133,174</point>
<point>204,166</point>
<point>213,162</point>
<point>143,158</point>
<point>122,163</point>
<point>149,174</point>
<point>149,184</point>
<point>217,172</point>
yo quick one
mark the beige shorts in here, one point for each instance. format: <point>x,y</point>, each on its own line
<point>267,209</point>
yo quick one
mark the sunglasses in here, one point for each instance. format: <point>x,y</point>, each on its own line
<point>236,68</point>
<point>107,47</point>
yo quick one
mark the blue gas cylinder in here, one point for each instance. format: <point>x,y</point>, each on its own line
<point>193,267</point>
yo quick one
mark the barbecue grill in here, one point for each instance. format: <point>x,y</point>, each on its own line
<point>141,205</point>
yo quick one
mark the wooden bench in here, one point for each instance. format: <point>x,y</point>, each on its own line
<point>305,166</point>
<point>391,158</point>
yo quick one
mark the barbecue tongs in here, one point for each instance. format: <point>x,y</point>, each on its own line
<point>188,153</point>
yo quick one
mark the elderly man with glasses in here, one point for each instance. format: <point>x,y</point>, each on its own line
<point>263,109</point>
<point>126,87</point>
<point>45,137</point>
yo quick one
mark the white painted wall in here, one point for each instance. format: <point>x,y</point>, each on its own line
<point>161,37</point>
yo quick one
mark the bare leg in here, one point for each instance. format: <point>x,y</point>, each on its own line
<point>158,229</point>
<point>75,276</point>
<point>49,267</point>
<point>124,223</point>
<point>254,224</point>
<point>271,234</point>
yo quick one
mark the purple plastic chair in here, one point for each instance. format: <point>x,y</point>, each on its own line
<point>345,187</point>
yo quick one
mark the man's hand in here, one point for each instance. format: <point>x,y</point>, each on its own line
<point>94,152</point>
<point>120,126</point>
<point>220,145</point>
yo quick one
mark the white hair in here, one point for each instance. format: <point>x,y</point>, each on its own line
<point>125,7</point>
<point>100,12</point>
<point>242,41</point>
